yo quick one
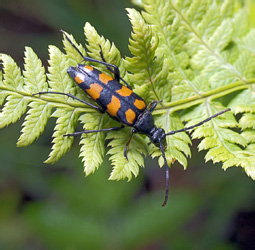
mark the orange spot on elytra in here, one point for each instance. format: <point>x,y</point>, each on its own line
<point>113,106</point>
<point>94,91</point>
<point>88,67</point>
<point>105,78</point>
<point>130,116</point>
<point>124,91</point>
<point>139,104</point>
<point>79,78</point>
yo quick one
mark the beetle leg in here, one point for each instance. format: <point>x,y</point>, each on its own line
<point>95,131</point>
<point>89,59</point>
<point>127,144</point>
<point>117,77</point>
<point>116,70</point>
<point>153,105</point>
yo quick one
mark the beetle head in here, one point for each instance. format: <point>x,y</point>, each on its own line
<point>158,136</point>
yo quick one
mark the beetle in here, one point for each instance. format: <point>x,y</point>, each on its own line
<point>121,104</point>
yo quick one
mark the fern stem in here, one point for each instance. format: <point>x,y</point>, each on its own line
<point>212,94</point>
<point>45,99</point>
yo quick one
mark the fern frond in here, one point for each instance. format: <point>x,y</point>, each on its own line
<point>190,54</point>
<point>219,45</point>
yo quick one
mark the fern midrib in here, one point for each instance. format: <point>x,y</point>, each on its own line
<point>57,103</point>
<point>212,94</point>
<point>216,55</point>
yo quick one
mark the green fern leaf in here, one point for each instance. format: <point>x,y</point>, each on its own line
<point>58,78</point>
<point>222,36</point>
<point>35,123</point>
<point>38,115</point>
<point>93,144</point>
<point>71,52</point>
<point>66,123</point>
<point>15,106</point>
<point>245,160</point>
<point>137,148</point>
<point>12,75</point>
<point>143,49</point>
<point>2,97</point>
<point>241,24</point>
<point>13,109</point>
<point>34,73</point>
<point>244,101</point>
<point>247,121</point>
<point>109,50</point>
<point>249,135</point>
<point>177,144</point>
<point>188,54</point>
<point>221,141</point>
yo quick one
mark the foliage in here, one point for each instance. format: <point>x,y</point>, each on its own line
<point>190,54</point>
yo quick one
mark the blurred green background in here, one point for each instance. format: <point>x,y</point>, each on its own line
<point>56,207</point>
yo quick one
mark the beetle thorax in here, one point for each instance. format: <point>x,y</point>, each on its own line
<point>145,125</point>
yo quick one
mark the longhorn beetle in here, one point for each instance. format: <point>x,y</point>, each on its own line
<point>120,103</point>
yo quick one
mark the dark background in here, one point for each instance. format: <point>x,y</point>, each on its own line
<point>55,207</point>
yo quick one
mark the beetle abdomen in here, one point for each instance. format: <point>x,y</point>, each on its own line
<point>120,102</point>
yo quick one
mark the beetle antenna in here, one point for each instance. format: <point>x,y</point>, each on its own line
<point>198,124</point>
<point>167,173</point>
<point>69,40</point>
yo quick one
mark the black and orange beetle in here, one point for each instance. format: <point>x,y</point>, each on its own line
<point>121,104</point>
